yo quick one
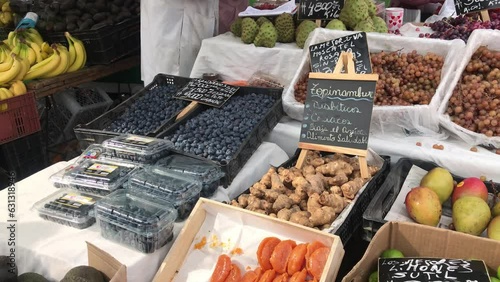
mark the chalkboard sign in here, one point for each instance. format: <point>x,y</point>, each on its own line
<point>320,9</point>
<point>468,6</point>
<point>208,92</point>
<point>431,269</point>
<point>338,112</point>
<point>324,56</point>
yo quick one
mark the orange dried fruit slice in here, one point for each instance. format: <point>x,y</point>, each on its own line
<point>268,276</point>
<point>234,274</point>
<point>297,259</point>
<point>299,276</point>
<point>281,253</point>
<point>265,250</point>
<point>222,269</point>
<point>281,278</point>
<point>317,261</point>
<point>313,246</point>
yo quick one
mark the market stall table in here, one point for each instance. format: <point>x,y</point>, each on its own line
<point>51,249</point>
<point>233,60</point>
<point>456,155</point>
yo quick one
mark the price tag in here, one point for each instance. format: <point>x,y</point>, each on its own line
<point>208,92</point>
<point>320,9</point>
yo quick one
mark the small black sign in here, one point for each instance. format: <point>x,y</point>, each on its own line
<point>320,9</point>
<point>208,92</point>
<point>468,6</point>
<point>431,269</point>
<point>338,113</point>
<point>324,56</point>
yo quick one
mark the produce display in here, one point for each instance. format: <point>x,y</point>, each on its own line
<point>25,56</point>
<point>461,27</point>
<point>405,79</point>
<point>471,210</point>
<point>68,207</point>
<point>135,220</point>
<point>137,148</point>
<point>279,260</point>
<point>208,174</point>
<point>313,196</point>
<point>78,15</point>
<point>217,133</point>
<point>149,112</point>
<point>474,104</point>
<point>178,190</point>
<point>357,15</point>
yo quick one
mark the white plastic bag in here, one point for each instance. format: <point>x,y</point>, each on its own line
<point>422,119</point>
<point>478,38</point>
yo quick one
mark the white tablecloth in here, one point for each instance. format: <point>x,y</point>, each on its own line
<point>456,155</point>
<point>233,60</point>
<point>52,249</point>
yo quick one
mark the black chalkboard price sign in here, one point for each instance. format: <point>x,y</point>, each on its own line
<point>320,9</point>
<point>338,111</point>
<point>468,6</point>
<point>208,92</point>
<point>324,56</point>
<point>431,269</point>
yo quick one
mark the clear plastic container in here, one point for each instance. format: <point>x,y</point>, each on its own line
<point>135,220</point>
<point>179,191</point>
<point>68,207</point>
<point>207,173</point>
<point>261,79</point>
<point>137,148</point>
<point>96,176</point>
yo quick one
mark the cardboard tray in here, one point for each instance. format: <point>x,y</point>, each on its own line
<point>176,256</point>
<point>107,264</point>
<point>416,240</point>
<point>252,141</point>
<point>373,217</point>
<point>93,132</point>
<point>353,222</point>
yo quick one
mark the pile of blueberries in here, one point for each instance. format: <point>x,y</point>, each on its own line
<point>149,112</point>
<point>59,210</point>
<point>217,133</point>
<point>121,224</point>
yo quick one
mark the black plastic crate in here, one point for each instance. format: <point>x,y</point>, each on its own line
<point>252,141</point>
<point>373,218</point>
<point>24,156</point>
<point>93,132</point>
<point>352,222</point>
<point>106,44</point>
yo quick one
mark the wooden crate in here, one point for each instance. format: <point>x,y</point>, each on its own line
<point>181,247</point>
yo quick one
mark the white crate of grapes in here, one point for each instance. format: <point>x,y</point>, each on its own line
<point>471,107</point>
<point>413,78</point>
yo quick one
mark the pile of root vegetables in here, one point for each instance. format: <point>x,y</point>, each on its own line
<point>312,196</point>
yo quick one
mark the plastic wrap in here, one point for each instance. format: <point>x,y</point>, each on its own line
<point>205,172</point>
<point>137,148</point>
<point>262,79</point>
<point>68,207</point>
<point>180,191</point>
<point>478,38</point>
<point>135,220</point>
<point>421,118</point>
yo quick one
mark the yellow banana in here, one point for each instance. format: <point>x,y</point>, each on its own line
<point>31,55</point>
<point>35,36</point>
<point>46,48</point>
<point>38,52</point>
<point>44,66</point>
<point>10,74</point>
<point>6,7</point>
<point>81,55</point>
<point>18,88</point>
<point>7,92</point>
<point>72,52</point>
<point>10,38</point>
<point>5,66</point>
<point>24,69</point>
<point>3,96</point>
<point>16,50</point>
<point>63,64</point>
<point>44,55</point>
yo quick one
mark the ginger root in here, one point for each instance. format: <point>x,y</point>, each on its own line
<point>282,202</point>
<point>335,201</point>
<point>258,190</point>
<point>302,218</point>
<point>332,168</point>
<point>351,188</point>
<point>308,169</point>
<point>317,184</point>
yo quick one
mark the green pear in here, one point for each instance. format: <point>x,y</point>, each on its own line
<point>471,215</point>
<point>495,211</point>
<point>494,229</point>
<point>440,181</point>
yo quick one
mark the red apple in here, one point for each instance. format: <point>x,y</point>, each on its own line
<point>471,186</point>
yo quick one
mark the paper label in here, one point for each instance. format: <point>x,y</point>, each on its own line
<point>139,140</point>
<point>100,169</point>
<point>75,201</point>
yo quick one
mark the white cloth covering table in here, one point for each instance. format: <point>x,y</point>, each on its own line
<point>52,249</point>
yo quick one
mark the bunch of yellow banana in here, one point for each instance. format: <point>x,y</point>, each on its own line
<point>6,16</point>
<point>12,69</point>
<point>77,53</point>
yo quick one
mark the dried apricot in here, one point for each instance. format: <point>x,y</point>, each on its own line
<point>222,269</point>
<point>313,246</point>
<point>234,274</point>
<point>268,276</point>
<point>252,275</point>
<point>297,259</point>
<point>281,253</point>
<point>265,250</point>
<point>299,276</point>
<point>281,278</point>
<point>316,262</point>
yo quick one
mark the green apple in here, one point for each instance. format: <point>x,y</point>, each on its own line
<point>374,277</point>
<point>392,253</point>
